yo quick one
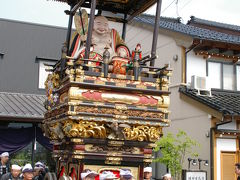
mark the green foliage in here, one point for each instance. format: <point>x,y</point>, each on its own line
<point>174,149</point>
<point>24,156</point>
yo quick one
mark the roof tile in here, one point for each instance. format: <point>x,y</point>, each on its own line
<point>221,100</point>
<point>196,32</point>
<point>19,105</point>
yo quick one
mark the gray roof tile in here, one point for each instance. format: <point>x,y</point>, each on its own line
<point>224,101</point>
<point>19,105</point>
<point>214,23</point>
<point>196,32</point>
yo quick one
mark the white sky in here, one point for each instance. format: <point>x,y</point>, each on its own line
<point>52,12</point>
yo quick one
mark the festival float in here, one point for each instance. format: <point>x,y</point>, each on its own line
<point>106,107</point>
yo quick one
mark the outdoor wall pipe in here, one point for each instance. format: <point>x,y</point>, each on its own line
<point>155,32</point>
<point>186,52</point>
<point>211,152</point>
<point>90,28</point>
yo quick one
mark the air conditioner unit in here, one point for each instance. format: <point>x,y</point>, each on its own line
<point>200,84</point>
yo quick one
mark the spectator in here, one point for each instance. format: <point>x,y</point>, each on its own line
<point>14,174</point>
<point>27,172</point>
<point>4,166</point>
<point>39,171</point>
<point>147,173</point>
<point>107,175</point>
<point>237,170</point>
<point>125,174</point>
<point>167,177</point>
<point>87,174</point>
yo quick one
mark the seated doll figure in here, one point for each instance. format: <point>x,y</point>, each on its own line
<point>102,37</point>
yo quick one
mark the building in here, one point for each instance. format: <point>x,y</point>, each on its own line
<point>204,52</point>
<point>202,48</point>
<point>24,49</point>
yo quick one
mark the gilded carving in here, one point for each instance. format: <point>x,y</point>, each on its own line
<point>84,129</point>
<point>120,110</point>
<point>120,79</point>
<point>114,131</point>
<point>143,133</point>
<point>51,83</point>
<point>118,98</point>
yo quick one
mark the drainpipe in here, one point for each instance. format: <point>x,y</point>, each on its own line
<point>212,129</point>
<point>186,52</point>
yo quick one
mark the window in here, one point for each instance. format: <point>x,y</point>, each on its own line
<point>228,78</point>
<point>221,75</point>
<point>214,75</point>
<point>238,77</point>
<point>43,73</point>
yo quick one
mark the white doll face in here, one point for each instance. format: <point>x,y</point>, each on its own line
<point>101,25</point>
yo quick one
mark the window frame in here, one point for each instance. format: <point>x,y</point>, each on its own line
<point>43,60</point>
<point>222,62</point>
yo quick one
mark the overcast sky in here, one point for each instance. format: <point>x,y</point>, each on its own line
<point>52,12</point>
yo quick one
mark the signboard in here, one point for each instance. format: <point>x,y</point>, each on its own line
<point>194,175</point>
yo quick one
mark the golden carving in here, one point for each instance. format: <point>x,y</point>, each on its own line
<point>121,107</point>
<point>113,153</point>
<point>147,160</point>
<point>143,133</point>
<point>148,156</point>
<point>113,160</point>
<point>120,110</point>
<point>78,156</point>
<point>76,93</point>
<point>54,78</point>
<point>120,98</point>
<point>103,148</point>
<point>75,140</point>
<point>84,129</point>
<point>115,143</point>
<point>120,117</point>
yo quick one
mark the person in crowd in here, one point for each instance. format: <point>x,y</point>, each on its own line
<point>87,174</point>
<point>27,172</point>
<point>147,173</point>
<point>237,170</point>
<point>4,166</point>
<point>14,174</point>
<point>107,175</point>
<point>167,177</point>
<point>39,171</point>
<point>125,174</point>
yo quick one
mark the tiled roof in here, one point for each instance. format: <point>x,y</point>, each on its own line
<point>213,23</point>
<point>195,32</point>
<point>227,102</point>
<point>18,105</point>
